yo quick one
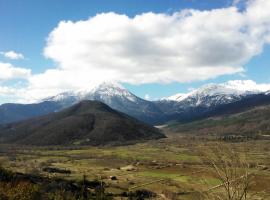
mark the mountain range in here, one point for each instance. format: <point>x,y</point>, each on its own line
<point>181,107</point>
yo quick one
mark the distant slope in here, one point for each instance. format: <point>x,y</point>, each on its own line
<point>253,121</point>
<point>88,122</point>
<point>16,112</point>
<point>246,103</point>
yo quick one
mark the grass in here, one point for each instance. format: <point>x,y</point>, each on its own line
<point>166,175</point>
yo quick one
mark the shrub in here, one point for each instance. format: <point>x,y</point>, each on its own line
<point>19,191</point>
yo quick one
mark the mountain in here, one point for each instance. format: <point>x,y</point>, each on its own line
<point>195,104</point>
<point>181,107</point>
<point>197,113</point>
<point>246,103</point>
<point>217,94</point>
<point>248,118</point>
<point>88,122</point>
<point>115,96</point>
<point>178,107</point>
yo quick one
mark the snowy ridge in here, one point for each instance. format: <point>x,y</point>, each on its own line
<point>229,90</point>
<point>111,89</point>
<point>176,97</point>
<point>119,98</point>
<point>217,94</point>
<point>103,91</point>
<point>61,97</point>
<point>182,105</point>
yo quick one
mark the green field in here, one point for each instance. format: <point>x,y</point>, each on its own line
<point>169,167</point>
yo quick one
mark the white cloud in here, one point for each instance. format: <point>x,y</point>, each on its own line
<point>147,97</point>
<point>6,91</point>
<point>8,71</point>
<point>13,55</point>
<point>189,45</point>
<point>186,46</point>
<point>248,85</point>
<point>13,94</point>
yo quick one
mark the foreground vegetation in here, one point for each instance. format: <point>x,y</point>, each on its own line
<point>173,168</point>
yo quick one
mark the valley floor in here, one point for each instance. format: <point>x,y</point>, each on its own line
<point>173,168</point>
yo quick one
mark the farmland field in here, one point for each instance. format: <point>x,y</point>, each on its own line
<point>172,168</point>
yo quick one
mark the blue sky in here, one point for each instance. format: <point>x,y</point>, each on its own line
<point>26,25</point>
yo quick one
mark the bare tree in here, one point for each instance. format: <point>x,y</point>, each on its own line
<point>231,169</point>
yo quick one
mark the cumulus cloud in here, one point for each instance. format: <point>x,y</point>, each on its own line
<point>189,45</point>
<point>7,91</point>
<point>13,55</point>
<point>13,94</point>
<point>248,85</point>
<point>186,46</point>
<point>8,71</point>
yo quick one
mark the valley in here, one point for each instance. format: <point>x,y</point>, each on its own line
<point>170,168</point>
<point>135,100</point>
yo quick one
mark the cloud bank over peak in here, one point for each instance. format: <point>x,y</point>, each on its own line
<point>153,48</point>
<point>189,45</point>
<point>186,46</point>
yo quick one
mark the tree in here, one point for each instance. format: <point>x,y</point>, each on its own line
<point>231,169</point>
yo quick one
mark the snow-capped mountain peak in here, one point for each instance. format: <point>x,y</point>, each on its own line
<point>61,96</point>
<point>108,86</point>
<point>176,97</point>
<point>215,89</point>
<point>114,95</point>
<point>107,90</point>
<point>215,94</point>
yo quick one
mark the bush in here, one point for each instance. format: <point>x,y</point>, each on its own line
<point>19,191</point>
